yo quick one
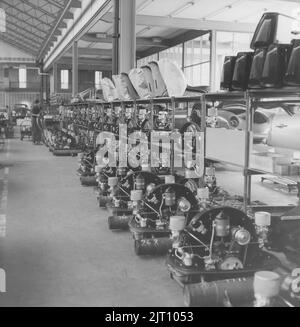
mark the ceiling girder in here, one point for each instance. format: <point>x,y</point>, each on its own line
<point>140,41</point>
<point>64,15</point>
<point>56,4</point>
<point>187,23</point>
<point>22,28</point>
<point>17,44</point>
<point>93,52</point>
<point>23,39</point>
<point>27,23</point>
<point>25,13</point>
<point>38,8</point>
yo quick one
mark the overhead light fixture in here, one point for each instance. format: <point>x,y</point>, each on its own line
<point>101,35</point>
<point>221,10</point>
<point>182,8</point>
<point>144,30</point>
<point>143,5</point>
<point>157,40</point>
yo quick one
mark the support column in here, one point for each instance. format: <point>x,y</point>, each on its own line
<point>75,69</point>
<point>116,35</point>
<point>54,79</point>
<point>42,81</point>
<point>127,53</point>
<point>213,61</point>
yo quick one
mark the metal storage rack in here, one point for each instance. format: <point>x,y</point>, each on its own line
<point>252,98</point>
<point>169,102</point>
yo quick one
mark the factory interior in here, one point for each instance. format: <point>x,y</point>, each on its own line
<point>150,153</point>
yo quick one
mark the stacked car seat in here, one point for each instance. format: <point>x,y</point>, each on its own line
<point>274,61</point>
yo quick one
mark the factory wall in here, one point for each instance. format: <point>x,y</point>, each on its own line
<point>11,98</point>
<point>86,80</point>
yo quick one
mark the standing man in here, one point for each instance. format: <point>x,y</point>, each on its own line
<point>36,131</point>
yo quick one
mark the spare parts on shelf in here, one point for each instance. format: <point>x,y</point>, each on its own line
<point>273,62</point>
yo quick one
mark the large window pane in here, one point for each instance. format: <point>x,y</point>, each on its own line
<point>98,77</point>
<point>22,78</point>
<point>198,75</point>
<point>174,53</point>
<point>197,50</point>
<point>197,61</point>
<point>64,74</point>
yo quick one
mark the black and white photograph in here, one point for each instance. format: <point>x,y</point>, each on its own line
<point>150,156</point>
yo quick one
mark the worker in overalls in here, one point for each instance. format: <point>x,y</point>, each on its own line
<point>36,130</point>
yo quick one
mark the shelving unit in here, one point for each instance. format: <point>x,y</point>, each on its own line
<point>252,99</point>
<point>170,103</point>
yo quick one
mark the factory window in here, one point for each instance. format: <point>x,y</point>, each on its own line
<point>174,54</point>
<point>197,61</point>
<point>2,20</point>
<point>22,78</point>
<point>98,77</point>
<point>64,76</point>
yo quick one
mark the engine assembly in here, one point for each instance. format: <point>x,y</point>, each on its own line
<point>164,211</point>
<point>219,243</point>
<point>127,197</point>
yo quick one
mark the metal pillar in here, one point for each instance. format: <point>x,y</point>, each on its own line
<point>127,35</point>
<point>116,35</point>
<point>75,69</point>
<point>42,82</point>
<point>213,60</point>
<point>55,79</point>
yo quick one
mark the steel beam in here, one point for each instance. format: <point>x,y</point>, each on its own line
<point>85,61</point>
<point>127,35</point>
<point>213,61</point>
<point>189,24</point>
<point>27,23</point>
<point>116,37</point>
<point>272,1</point>
<point>55,78</point>
<point>26,37</point>
<point>63,16</point>
<point>39,8</point>
<point>17,45</point>
<point>140,41</point>
<point>184,37</point>
<point>93,66</point>
<point>93,52</point>
<point>75,69</point>
<point>22,40</point>
<point>22,28</point>
<point>24,13</point>
<point>90,14</point>
<point>56,4</point>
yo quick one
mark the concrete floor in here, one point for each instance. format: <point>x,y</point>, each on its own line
<point>58,250</point>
